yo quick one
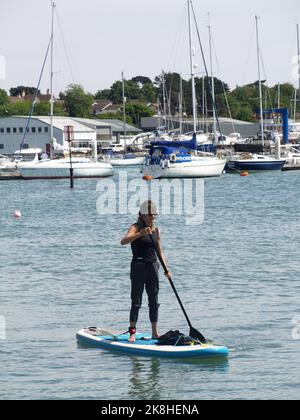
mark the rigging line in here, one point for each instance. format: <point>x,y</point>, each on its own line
<point>64,46</point>
<point>267,89</point>
<point>250,51</point>
<point>35,96</point>
<point>206,71</point>
<point>179,41</point>
<point>223,85</point>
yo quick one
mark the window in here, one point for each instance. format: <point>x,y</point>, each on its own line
<point>8,130</point>
<point>46,129</point>
<point>1,130</point>
<point>1,146</point>
<point>27,130</point>
<point>33,129</point>
<point>40,129</point>
<point>21,130</point>
<point>14,130</point>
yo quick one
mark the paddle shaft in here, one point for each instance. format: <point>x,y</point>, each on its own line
<point>170,280</point>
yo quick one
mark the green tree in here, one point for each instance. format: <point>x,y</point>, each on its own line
<point>43,108</point>
<point>142,80</point>
<point>115,116</point>
<point>18,91</point>
<point>137,111</point>
<point>19,108</point>
<point>4,102</point>
<point>103,94</point>
<point>78,102</point>
<point>3,97</point>
<point>148,93</point>
<point>138,88</point>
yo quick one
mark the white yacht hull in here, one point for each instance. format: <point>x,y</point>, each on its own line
<point>127,162</point>
<point>292,164</point>
<point>205,168</point>
<point>61,169</point>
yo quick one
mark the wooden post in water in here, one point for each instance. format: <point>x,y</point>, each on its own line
<point>69,136</point>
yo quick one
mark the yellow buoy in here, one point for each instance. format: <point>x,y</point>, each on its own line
<point>244,173</point>
<point>147,177</point>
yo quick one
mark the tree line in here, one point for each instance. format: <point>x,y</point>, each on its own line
<point>166,92</point>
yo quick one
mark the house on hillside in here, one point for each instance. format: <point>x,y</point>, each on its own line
<point>105,107</point>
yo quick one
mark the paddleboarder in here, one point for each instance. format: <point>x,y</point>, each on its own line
<point>144,266</point>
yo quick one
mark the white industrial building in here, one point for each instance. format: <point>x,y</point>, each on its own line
<point>84,130</point>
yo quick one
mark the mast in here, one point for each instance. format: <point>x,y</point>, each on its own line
<point>298,52</point>
<point>192,68</point>
<point>51,78</point>
<point>203,103</point>
<point>260,85</point>
<point>212,82</point>
<point>278,105</point>
<point>164,100</point>
<point>295,107</point>
<point>124,112</point>
<point>180,106</point>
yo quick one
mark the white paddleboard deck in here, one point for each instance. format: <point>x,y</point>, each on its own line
<point>145,346</point>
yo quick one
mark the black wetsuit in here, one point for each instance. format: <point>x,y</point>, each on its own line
<point>144,274</point>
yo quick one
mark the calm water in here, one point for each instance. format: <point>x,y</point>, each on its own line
<point>238,274</point>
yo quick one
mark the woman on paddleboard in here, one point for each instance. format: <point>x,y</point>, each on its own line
<point>144,266</point>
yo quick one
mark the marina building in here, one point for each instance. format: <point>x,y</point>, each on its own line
<point>12,132</point>
<point>228,125</point>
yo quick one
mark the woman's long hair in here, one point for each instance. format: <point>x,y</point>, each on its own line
<point>148,207</point>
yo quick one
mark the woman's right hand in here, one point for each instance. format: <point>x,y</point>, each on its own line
<point>146,231</point>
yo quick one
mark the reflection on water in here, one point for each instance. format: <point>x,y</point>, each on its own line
<point>145,379</point>
<point>148,380</point>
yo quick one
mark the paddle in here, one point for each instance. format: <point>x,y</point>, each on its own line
<point>193,332</point>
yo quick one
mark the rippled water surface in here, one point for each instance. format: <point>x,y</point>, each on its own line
<point>62,268</point>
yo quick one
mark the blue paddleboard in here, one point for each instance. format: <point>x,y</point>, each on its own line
<point>145,346</point>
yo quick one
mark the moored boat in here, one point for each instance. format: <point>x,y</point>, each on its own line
<point>292,161</point>
<point>124,160</point>
<point>20,158</point>
<point>181,160</point>
<point>60,168</point>
<point>253,163</point>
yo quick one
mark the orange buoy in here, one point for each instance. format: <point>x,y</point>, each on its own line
<point>244,173</point>
<point>147,178</point>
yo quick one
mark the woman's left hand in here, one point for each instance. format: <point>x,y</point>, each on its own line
<point>169,275</point>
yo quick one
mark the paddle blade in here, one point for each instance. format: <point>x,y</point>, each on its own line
<point>197,335</point>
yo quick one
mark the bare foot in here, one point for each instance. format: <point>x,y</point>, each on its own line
<point>132,338</point>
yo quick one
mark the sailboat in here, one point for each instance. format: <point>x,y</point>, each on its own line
<point>181,159</point>
<point>256,162</point>
<point>61,168</point>
<point>126,159</point>
<point>293,156</point>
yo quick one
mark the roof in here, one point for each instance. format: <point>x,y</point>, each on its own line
<point>83,124</point>
<point>93,122</point>
<point>62,122</point>
<point>118,126</point>
<point>101,105</point>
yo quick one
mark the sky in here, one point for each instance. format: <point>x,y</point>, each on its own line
<point>95,40</point>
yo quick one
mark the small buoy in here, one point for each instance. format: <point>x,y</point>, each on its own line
<point>244,173</point>
<point>147,177</point>
<point>17,214</point>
